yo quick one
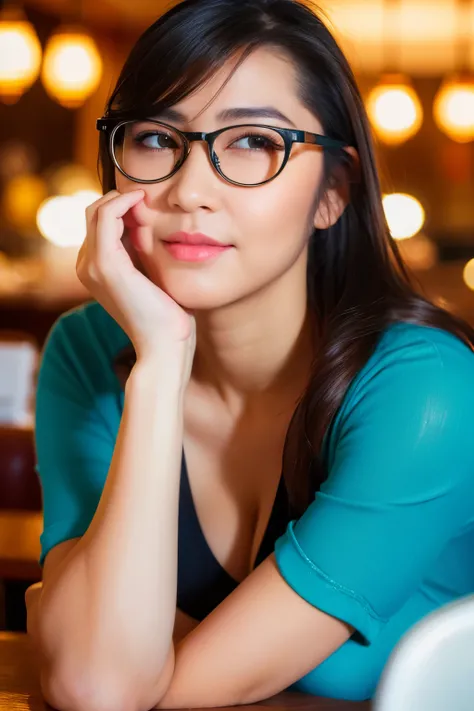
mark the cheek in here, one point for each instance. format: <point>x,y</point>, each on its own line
<point>123,184</point>
<point>279,215</point>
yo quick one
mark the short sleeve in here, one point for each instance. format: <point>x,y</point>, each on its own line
<point>400,482</point>
<point>76,421</point>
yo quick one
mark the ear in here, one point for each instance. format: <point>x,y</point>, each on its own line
<point>337,196</point>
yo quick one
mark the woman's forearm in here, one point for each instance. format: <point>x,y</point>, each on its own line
<point>106,620</point>
<point>183,625</point>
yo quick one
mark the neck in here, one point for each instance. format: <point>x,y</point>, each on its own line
<point>258,352</point>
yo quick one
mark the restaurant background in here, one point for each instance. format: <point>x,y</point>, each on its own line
<point>414,61</point>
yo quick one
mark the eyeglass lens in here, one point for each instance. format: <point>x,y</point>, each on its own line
<point>148,151</point>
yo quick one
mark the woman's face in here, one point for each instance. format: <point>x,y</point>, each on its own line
<point>269,226</point>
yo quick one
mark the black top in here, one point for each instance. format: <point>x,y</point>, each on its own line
<point>202,582</point>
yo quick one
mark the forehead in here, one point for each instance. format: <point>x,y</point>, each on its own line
<point>265,78</point>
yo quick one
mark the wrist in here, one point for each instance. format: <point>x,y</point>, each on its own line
<point>158,372</point>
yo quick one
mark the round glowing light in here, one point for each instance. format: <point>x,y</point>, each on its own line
<point>20,55</point>
<point>62,220</point>
<point>419,252</point>
<point>22,196</point>
<point>70,178</point>
<point>454,109</point>
<point>468,274</point>
<point>395,110</point>
<point>405,215</point>
<point>72,67</point>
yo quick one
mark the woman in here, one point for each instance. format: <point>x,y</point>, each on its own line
<point>325,499</point>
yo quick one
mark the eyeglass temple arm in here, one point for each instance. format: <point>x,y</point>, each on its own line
<point>317,140</point>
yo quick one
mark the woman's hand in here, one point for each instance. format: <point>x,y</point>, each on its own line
<point>154,322</point>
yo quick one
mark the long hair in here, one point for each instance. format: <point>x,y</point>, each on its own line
<point>357,282</point>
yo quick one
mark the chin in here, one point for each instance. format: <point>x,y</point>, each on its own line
<point>194,298</point>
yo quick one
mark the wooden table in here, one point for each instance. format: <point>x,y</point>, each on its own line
<point>19,686</point>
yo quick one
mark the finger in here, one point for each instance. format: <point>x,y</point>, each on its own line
<point>91,210</point>
<point>110,225</point>
<point>139,229</point>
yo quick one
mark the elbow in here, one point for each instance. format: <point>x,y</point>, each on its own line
<point>69,692</point>
<point>93,690</point>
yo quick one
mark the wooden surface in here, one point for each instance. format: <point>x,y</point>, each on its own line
<point>19,687</point>
<point>19,545</point>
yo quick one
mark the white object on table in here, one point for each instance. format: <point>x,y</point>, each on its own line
<point>432,667</point>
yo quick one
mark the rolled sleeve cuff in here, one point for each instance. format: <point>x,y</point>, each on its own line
<point>58,533</point>
<point>321,591</point>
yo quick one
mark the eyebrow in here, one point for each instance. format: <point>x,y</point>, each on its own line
<point>236,114</point>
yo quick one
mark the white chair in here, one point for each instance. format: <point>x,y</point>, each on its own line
<point>432,667</point>
<point>19,358</point>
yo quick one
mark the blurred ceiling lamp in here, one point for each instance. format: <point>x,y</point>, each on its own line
<point>393,105</point>
<point>468,274</point>
<point>72,67</point>
<point>394,109</point>
<point>453,108</point>
<point>62,220</point>
<point>20,54</point>
<point>405,215</point>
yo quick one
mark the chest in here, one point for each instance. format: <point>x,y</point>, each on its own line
<point>234,469</point>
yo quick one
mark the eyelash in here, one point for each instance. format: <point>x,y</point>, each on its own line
<point>139,138</point>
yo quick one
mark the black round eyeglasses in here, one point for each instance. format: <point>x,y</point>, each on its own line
<point>247,155</point>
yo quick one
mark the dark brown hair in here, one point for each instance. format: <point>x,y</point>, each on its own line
<point>357,282</point>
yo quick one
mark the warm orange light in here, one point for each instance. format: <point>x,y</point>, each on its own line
<point>394,110</point>
<point>20,55</point>
<point>454,109</point>
<point>468,274</point>
<point>22,196</point>
<point>72,67</point>
<point>405,215</point>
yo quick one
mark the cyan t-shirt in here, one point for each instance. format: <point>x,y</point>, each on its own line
<point>390,535</point>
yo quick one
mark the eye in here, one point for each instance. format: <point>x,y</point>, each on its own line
<point>255,142</point>
<point>155,140</point>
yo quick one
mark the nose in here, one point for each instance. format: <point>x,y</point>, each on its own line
<point>196,184</point>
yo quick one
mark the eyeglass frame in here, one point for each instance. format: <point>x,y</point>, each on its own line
<point>289,136</point>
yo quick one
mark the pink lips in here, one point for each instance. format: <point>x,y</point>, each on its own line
<point>196,247</point>
<point>192,252</point>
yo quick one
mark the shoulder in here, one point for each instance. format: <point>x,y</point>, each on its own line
<point>416,389</point>
<point>406,420</point>
<point>415,359</point>
<point>413,340</point>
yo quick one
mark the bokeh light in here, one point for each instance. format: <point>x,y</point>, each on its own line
<point>70,178</point>
<point>72,67</point>
<point>454,110</point>
<point>20,55</point>
<point>394,110</point>
<point>419,252</point>
<point>405,215</point>
<point>468,274</point>
<point>22,196</point>
<point>61,219</point>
